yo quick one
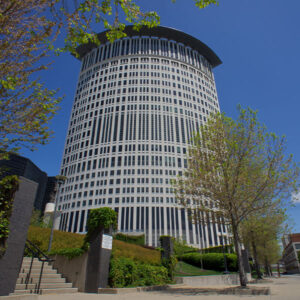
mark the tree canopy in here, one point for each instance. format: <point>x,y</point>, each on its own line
<point>236,169</point>
<point>28,30</point>
<point>261,234</point>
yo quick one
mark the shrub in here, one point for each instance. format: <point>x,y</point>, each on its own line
<point>103,217</point>
<point>61,240</point>
<point>69,253</point>
<point>180,248</point>
<point>211,261</point>
<point>299,256</point>
<point>67,242</point>
<point>132,239</point>
<point>126,272</point>
<point>135,252</point>
<point>219,249</point>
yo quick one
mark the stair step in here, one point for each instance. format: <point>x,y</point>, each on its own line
<point>21,292</point>
<point>46,291</point>
<point>21,286</point>
<point>37,275</point>
<point>38,270</point>
<point>44,280</point>
<point>27,258</point>
<point>35,263</point>
<point>59,291</point>
<point>51,283</point>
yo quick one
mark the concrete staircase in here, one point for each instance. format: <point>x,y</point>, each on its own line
<point>51,283</point>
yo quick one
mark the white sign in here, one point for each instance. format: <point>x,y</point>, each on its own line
<point>107,241</point>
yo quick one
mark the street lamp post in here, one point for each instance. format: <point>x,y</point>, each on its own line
<point>59,181</point>
<point>225,258</point>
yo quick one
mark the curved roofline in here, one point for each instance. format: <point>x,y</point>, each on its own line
<point>161,32</point>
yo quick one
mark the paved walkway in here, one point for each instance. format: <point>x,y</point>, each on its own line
<point>285,288</point>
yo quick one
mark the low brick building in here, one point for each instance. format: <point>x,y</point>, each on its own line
<point>291,247</point>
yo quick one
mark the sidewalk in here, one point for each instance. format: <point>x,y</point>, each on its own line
<point>284,288</point>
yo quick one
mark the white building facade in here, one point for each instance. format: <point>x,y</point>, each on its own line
<point>137,104</point>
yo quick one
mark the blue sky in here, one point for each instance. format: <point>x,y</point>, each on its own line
<point>258,42</point>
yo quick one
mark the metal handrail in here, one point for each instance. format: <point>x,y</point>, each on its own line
<point>39,252</point>
<point>36,253</point>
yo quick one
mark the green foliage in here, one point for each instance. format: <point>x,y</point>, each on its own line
<point>68,252</point>
<point>89,12</point>
<point>61,240</point>
<point>236,169</point>
<point>135,252</point>
<point>211,261</point>
<point>24,115</point>
<point>37,220</point>
<point>8,187</point>
<point>298,256</point>
<point>98,218</point>
<point>170,265</point>
<point>204,3</point>
<point>218,249</point>
<point>103,217</point>
<point>132,239</point>
<point>125,272</point>
<point>260,234</point>
<point>26,106</point>
<point>67,240</point>
<point>180,248</point>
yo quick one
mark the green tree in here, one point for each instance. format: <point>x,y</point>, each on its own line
<point>28,30</point>
<point>236,169</point>
<point>260,234</point>
<point>26,106</point>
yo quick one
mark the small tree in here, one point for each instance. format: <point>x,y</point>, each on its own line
<point>236,169</point>
<point>260,233</point>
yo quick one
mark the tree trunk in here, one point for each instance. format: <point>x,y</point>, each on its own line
<point>270,268</point>
<point>256,264</point>
<point>267,270</point>
<point>242,273</point>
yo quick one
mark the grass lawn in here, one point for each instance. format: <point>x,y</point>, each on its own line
<point>184,269</point>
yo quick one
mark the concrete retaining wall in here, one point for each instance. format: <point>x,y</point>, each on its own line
<point>230,279</point>
<point>74,270</point>
<point>11,262</point>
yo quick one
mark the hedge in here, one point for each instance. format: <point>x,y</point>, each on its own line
<point>132,239</point>
<point>181,248</point>
<point>211,261</point>
<point>70,244</point>
<point>61,240</point>
<point>219,249</point>
<point>125,272</point>
<point>68,252</point>
<point>135,252</point>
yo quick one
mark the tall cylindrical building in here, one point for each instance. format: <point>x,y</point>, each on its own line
<point>137,104</point>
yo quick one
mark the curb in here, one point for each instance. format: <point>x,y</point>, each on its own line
<point>249,291</point>
<point>246,291</point>
<point>133,290</point>
<point>20,297</point>
<point>180,289</point>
